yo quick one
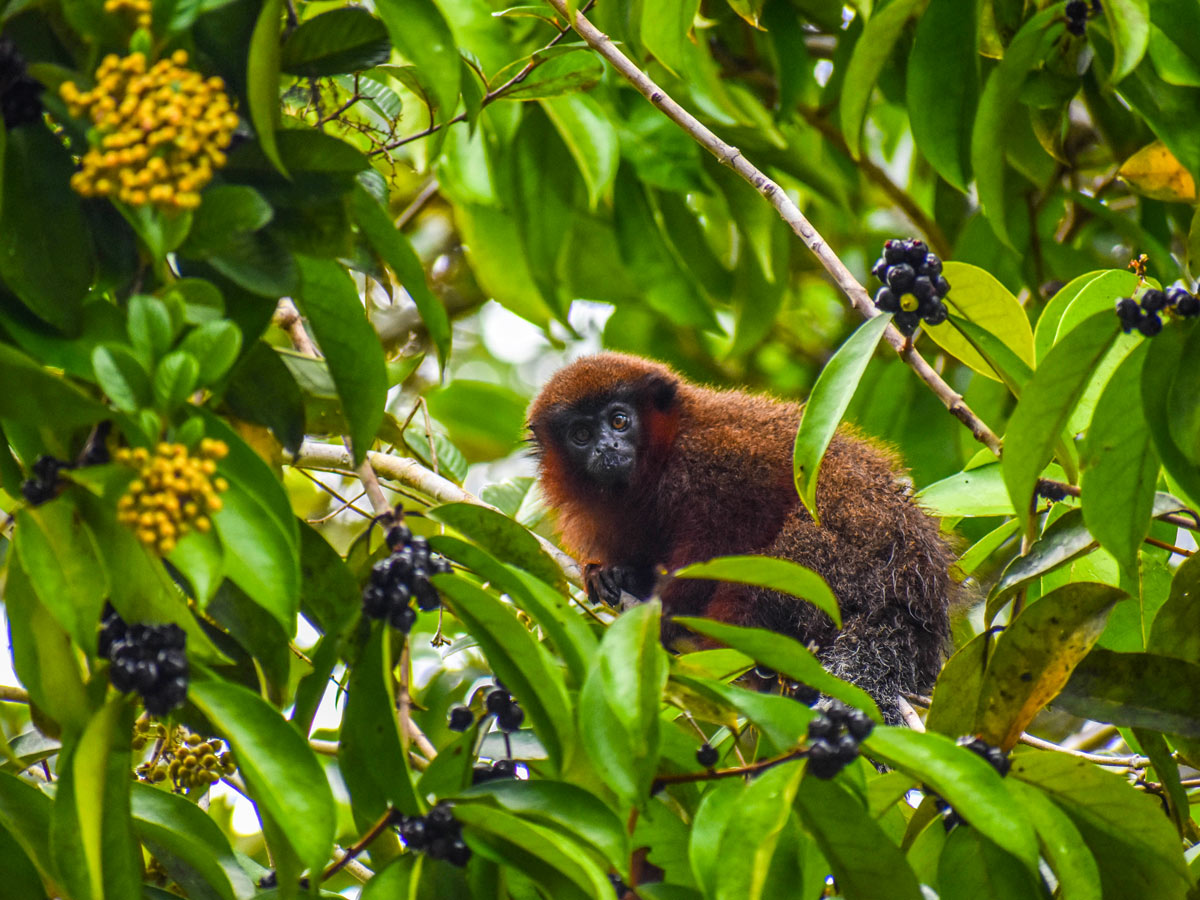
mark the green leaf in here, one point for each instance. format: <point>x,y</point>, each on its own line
<point>956,694</point>
<point>261,389</point>
<point>865,862</point>
<point>373,750</point>
<point>943,88</point>
<point>1129,27</point>
<point>1063,541</point>
<point>516,657</point>
<point>25,814</point>
<point>30,390</point>
<point>281,772</point>
<point>1103,285</point>
<point>975,492</point>
<point>620,702</point>
<point>1062,844</point>
<point>394,248</point>
<point>746,850</point>
<point>1046,403</point>
<point>1133,843</point>
<point>91,838</point>
<point>419,31</point>
<point>500,536</point>
<point>547,856</point>
<point>565,69</point>
<point>1139,690</point>
<point>997,110</point>
<point>215,345</point>
<point>591,138</point>
<point>1176,629</point>
<point>175,378</point>
<point>229,212</point>
<point>330,302</point>
<point>567,807</point>
<point>1120,466</point>
<point>150,328</point>
<point>122,377</point>
<point>341,40</point>
<point>871,53</point>
<point>1035,655</point>
<point>979,297</point>
<point>262,80</point>
<point>964,779</point>
<point>46,260</point>
<point>188,843</point>
<point>784,655</point>
<point>773,574</point>
<point>973,868</point>
<point>1158,377</point>
<point>666,27</point>
<point>486,420</point>
<point>827,404</point>
<point>781,720</point>
<point>329,592</point>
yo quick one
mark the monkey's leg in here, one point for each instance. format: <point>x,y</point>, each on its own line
<point>606,584</point>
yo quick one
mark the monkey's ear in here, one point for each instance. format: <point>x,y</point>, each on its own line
<point>662,391</point>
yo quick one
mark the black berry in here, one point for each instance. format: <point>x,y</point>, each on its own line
<point>932,266</point>
<point>1188,306</point>
<point>511,718</point>
<point>823,760</point>
<point>859,724</point>
<point>43,484</point>
<point>907,322</point>
<point>900,278</point>
<point>498,701</point>
<point>1154,300</point>
<point>937,313</point>
<point>846,749</point>
<point>995,757</point>
<point>402,577</point>
<point>1150,324</point>
<point>822,727</point>
<point>149,659</point>
<point>461,719</point>
<point>886,301</point>
<point>1076,12</point>
<point>707,755</point>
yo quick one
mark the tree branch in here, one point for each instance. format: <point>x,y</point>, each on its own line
<point>788,211</point>
<point>410,473</point>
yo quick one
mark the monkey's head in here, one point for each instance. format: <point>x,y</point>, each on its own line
<point>601,422</point>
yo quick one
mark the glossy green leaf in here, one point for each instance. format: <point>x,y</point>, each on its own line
<point>665,30</point>
<point>964,779</point>
<point>349,39</point>
<point>956,694</point>
<point>1046,403</point>
<point>188,843</point>
<point>786,656</point>
<point>766,572</point>
<point>281,772</point>
<point>746,849</point>
<point>1158,377</point>
<point>228,213</point>
<point>1062,844</point>
<point>329,592</point>
<point>1141,690</point>
<point>262,80</point>
<point>500,536</point>
<point>215,346</point>
<point>1176,629</point>
<point>122,377</point>
<point>620,702</point>
<point>827,404</point>
<point>396,251</point>
<point>591,138</point>
<point>870,55</point>
<point>175,377</point>
<point>1120,465</point>
<point>150,328</point>
<point>25,813</point>
<point>997,104</point>
<point>559,70</point>
<point>1035,655</point>
<point>372,751</point>
<point>781,720</point>
<point>975,492</point>
<point>419,31</point>
<point>1134,845</point>
<point>943,88</point>
<point>1129,27</point>
<point>261,389</point>
<point>865,862</point>
<point>518,658</point>
<point>330,302</point>
<point>973,868</point>
<point>1102,285</point>
<point>259,555</point>
<point>979,297</point>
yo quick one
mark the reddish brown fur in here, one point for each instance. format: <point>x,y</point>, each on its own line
<point>716,478</point>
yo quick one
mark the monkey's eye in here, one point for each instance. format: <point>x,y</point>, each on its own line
<point>619,421</point>
<point>581,434</point>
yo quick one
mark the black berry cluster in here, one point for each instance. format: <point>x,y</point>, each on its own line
<point>1145,315</point>
<point>1076,12</point>
<point>401,577</point>
<point>20,95</point>
<point>500,770</point>
<point>42,484</point>
<point>438,835</point>
<point>835,737</point>
<point>149,659</point>
<point>913,285</point>
<point>996,758</point>
<point>504,706</point>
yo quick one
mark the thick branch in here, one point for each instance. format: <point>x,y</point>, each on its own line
<point>412,474</point>
<point>788,211</point>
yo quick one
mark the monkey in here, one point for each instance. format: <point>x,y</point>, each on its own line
<point>648,472</point>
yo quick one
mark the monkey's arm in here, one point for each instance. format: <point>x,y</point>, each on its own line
<point>606,584</point>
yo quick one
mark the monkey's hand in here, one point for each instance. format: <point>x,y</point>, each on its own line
<point>607,584</point>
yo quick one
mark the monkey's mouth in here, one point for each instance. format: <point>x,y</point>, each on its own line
<point>610,468</point>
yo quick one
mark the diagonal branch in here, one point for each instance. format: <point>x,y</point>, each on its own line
<point>788,211</point>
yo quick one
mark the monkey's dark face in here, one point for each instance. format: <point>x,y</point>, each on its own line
<point>602,443</point>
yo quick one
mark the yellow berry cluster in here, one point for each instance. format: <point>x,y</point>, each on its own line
<point>190,761</point>
<point>173,494</point>
<point>138,9</point>
<point>161,130</point>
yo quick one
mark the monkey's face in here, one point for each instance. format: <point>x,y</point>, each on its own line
<point>602,443</point>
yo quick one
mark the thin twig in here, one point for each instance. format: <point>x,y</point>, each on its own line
<point>10,693</point>
<point>418,202</point>
<point>788,211</point>
<point>1121,762</point>
<point>716,774</point>
<point>911,719</point>
<point>381,825</point>
<point>346,504</point>
<point>1155,542</point>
